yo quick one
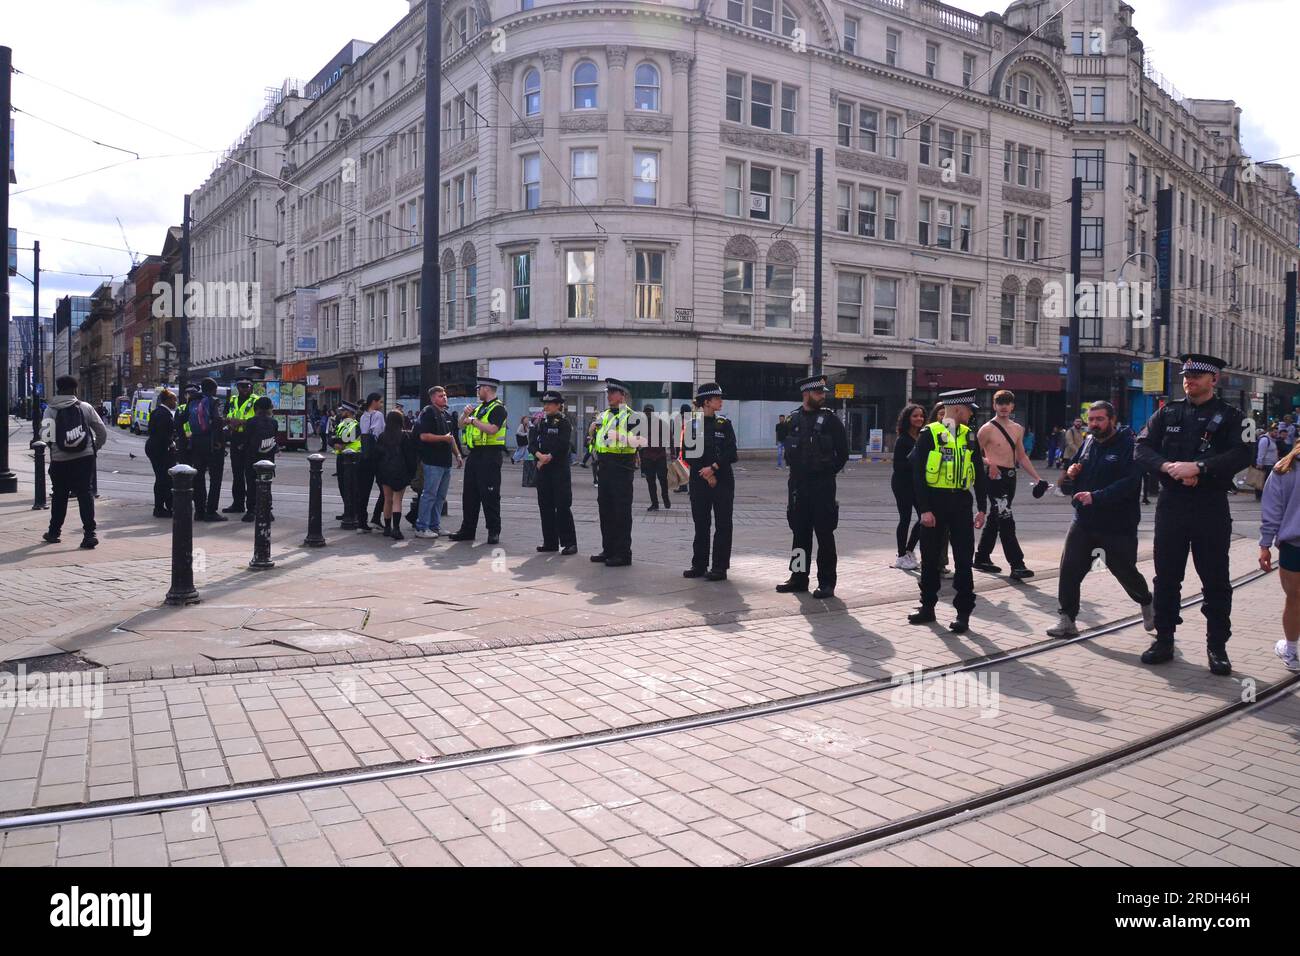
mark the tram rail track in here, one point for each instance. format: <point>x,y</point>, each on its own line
<point>97,810</point>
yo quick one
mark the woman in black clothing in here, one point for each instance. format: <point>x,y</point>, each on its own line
<point>395,461</point>
<point>160,449</point>
<point>910,422</point>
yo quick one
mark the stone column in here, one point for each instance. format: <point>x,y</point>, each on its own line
<point>617,165</point>
<point>679,156</point>
<point>554,91</point>
<point>504,196</point>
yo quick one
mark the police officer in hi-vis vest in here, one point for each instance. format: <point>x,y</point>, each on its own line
<point>346,437</point>
<point>616,447</point>
<point>816,449</point>
<point>485,438</point>
<point>946,465</point>
<point>239,411</point>
<point>549,442</point>
<point>1195,445</point>
<point>710,453</point>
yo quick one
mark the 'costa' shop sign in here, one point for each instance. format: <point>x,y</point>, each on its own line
<point>947,378</point>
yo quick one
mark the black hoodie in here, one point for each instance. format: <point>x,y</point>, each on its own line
<point>1114,477</point>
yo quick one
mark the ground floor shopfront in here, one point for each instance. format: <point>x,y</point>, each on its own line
<point>1039,387</point>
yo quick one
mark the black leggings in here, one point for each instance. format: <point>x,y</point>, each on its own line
<point>905,498</point>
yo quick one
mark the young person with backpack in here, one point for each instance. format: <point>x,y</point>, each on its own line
<point>207,453</point>
<point>74,432</point>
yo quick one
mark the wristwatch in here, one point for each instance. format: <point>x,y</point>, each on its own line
<point>1200,467</point>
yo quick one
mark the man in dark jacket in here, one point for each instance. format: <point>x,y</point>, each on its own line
<point>160,449</point>
<point>1105,481</point>
<point>261,443</point>
<point>207,452</point>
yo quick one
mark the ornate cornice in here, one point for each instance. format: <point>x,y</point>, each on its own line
<point>1026,197</point>
<point>378,197</point>
<point>648,123</point>
<point>962,184</point>
<point>767,142</point>
<point>867,163</point>
<point>461,151</point>
<point>583,122</point>
<point>528,129</point>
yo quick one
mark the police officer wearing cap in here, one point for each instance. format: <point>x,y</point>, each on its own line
<point>616,445</point>
<point>485,437</point>
<point>346,437</point>
<point>549,442</point>
<point>181,425</point>
<point>239,412</point>
<point>946,465</point>
<point>1195,445</point>
<point>710,450</point>
<point>816,449</point>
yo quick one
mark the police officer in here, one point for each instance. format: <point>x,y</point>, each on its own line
<point>346,437</point>
<point>816,449</point>
<point>1195,445</point>
<point>549,443</point>
<point>710,450</point>
<point>239,410</point>
<point>207,451</point>
<point>181,425</point>
<point>485,437</point>
<point>946,465</point>
<point>616,447</point>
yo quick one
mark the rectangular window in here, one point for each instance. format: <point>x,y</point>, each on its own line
<point>844,207</point>
<point>868,121</point>
<point>868,200</point>
<point>580,278</point>
<point>735,97</point>
<point>789,105</point>
<point>645,177</point>
<point>471,295</point>
<point>848,304</point>
<point>449,298</point>
<point>737,291</point>
<point>850,34</point>
<point>893,126</point>
<point>924,208</point>
<point>947,144</point>
<point>760,104</point>
<point>1079,98</point>
<point>967,153</point>
<point>931,60</point>
<point>789,186</point>
<point>959,327</point>
<point>1093,237</point>
<point>760,193</point>
<point>1022,165</point>
<point>761,12</point>
<point>967,69</point>
<point>946,213</point>
<point>650,286</point>
<point>1039,157</point>
<point>780,296</point>
<point>1007,319</point>
<point>532,180</point>
<point>584,179</point>
<point>1076,44</point>
<point>521,271</point>
<point>931,305</point>
<point>884,309</point>
<point>967,227</point>
<point>893,43</point>
<point>925,135</point>
<point>844,124</point>
<point>1099,102</point>
<point>1022,238</point>
<point>734,188</point>
<point>1031,321</point>
<point>1037,249</point>
<point>890,231</point>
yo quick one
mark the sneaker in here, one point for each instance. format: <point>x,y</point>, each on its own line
<point>1020,574</point>
<point>667,503</point>
<point>1065,627</point>
<point>653,508</point>
<point>1286,653</point>
<point>233,509</point>
<point>922,615</point>
<point>51,537</point>
<point>1149,617</point>
<point>89,541</point>
<point>426,534</point>
<point>906,562</point>
<point>396,532</point>
<point>984,564</point>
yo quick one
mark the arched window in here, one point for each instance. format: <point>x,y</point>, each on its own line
<point>772,16</point>
<point>1024,91</point>
<point>532,93</point>
<point>738,281</point>
<point>585,82</point>
<point>779,286</point>
<point>647,87</point>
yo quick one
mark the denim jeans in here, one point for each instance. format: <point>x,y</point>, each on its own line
<point>780,454</point>
<point>436,480</point>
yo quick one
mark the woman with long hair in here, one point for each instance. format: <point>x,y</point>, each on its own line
<point>1280,524</point>
<point>395,460</point>
<point>910,422</point>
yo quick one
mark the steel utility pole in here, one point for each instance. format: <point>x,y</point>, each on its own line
<point>430,277</point>
<point>8,480</point>
<point>1074,358</point>
<point>183,373</point>
<point>37,370</point>
<point>817,267</point>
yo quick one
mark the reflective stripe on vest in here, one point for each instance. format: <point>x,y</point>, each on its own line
<point>346,432</point>
<point>475,437</point>
<point>949,466</point>
<point>615,421</point>
<point>183,414</point>
<point>242,412</point>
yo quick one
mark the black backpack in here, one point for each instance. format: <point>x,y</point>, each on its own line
<point>70,433</point>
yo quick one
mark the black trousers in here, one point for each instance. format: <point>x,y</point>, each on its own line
<point>365,485</point>
<point>1198,522</point>
<point>811,509</point>
<point>614,503</point>
<point>1001,523</point>
<point>210,463</point>
<point>72,479</point>
<point>952,520</point>
<point>162,482</point>
<point>555,502</point>
<point>250,479</point>
<point>338,476</point>
<point>656,471</point>
<point>716,503</point>
<point>905,498</point>
<point>1086,549</point>
<point>482,490</point>
<point>241,466</point>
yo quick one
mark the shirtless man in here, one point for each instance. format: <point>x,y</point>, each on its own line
<point>1002,442</point>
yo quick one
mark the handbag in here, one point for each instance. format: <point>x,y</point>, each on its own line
<point>678,474</point>
<point>530,474</point>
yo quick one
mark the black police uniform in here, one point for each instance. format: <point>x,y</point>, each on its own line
<point>482,488</point>
<point>1194,518</point>
<point>552,436</point>
<point>715,440</point>
<point>816,450</point>
<point>208,456</point>
<point>954,522</point>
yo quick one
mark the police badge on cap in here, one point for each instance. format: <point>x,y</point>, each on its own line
<point>483,380</point>
<point>708,390</point>
<point>614,385</point>
<point>959,396</point>
<point>552,396</point>
<point>813,383</point>
<point>1196,364</point>
<point>347,407</point>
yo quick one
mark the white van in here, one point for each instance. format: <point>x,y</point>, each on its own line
<point>141,405</point>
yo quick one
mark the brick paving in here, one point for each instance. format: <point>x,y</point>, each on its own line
<point>737,792</point>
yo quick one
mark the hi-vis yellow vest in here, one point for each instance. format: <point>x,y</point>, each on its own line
<point>949,466</point>
<point>476,437</point>
<point>617,443</point>
<point>346,432</point>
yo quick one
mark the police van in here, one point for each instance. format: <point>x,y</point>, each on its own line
<point>141,405</point>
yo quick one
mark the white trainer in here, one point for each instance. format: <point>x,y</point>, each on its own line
<point>1149,617</point>
<point>906,562</point>
<point>426,534</point>
<point>1286,653</point>
<point>1064,628</point>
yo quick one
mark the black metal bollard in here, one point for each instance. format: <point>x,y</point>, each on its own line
<point>348,462</point>
<point>314,539</point>
<point>39,504</point>
<point>182,590</point>
<point>262,522</point>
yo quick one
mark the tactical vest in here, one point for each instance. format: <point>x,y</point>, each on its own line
<point>810,448</point>
<point>949,466</point>
<point>475,437</point>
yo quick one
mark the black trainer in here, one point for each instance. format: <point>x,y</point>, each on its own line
<point>548,547</point>
<point>823,592</point>
<point>1160,652</point>
<point>51,537</point>
<point>620,562</point>
<point>233,509</point>
<point>961,625</point>
<point>215,516</point>
<point>494,539</point>
<point>984,564</point>
<point>599,558</point>
<point>460,536</point>
<point>716,575</point>
<point>1219,663</point>
<point>694,573</point>
<point>1020,574</point>
<point>89,541</point>
<point>922,615</point>
<point>569,549</point>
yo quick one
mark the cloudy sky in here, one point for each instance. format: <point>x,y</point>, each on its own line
<point>199,69</point>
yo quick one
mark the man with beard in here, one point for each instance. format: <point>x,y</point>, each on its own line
<point>1104,480</point>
